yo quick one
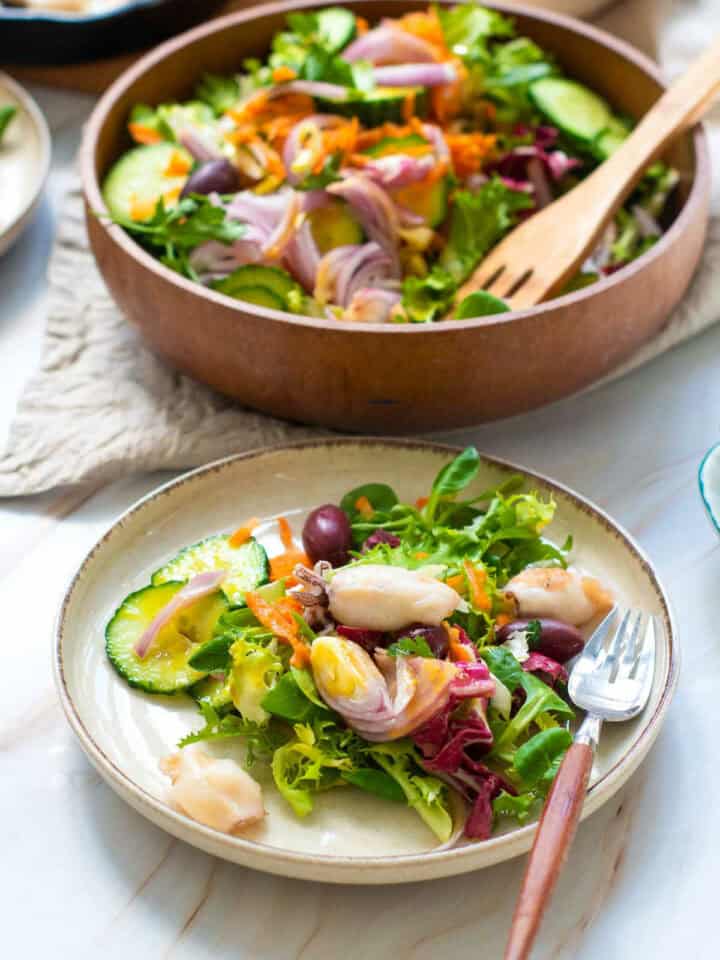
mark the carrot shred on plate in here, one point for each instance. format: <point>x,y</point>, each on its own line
<point>364,507</point>
<point>243,533</point>
<point>278,619</point>
<point>142,209</point>
<point>178,165</point>
<point>476,583</point>
<point>144,135</point>
<point>459,652</point>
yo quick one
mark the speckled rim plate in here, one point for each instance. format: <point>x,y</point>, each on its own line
<point>299,475</point>
<point>24,161</point>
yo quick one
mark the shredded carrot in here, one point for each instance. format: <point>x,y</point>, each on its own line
<point>457,649</point>
<point>421,555</point>
<point>282,566</point>
<point>178,165</point>
<point>361,25</point>
<point>502,619</point>
<point>426,26</point>
<point>285,533</point>
<point>364,507</point>
<point>476,582</point>
<point>469,151</point>
<point>422,502</point>
<point>142,209</point>
<point>457,582</point>
<point>408,107</point>
<point>368,138</point>
<point>243,533</point>
<point>446,99</point>
<point>279,620</point>
<point>283,74</point>
<point>142,134</point>
<point>170,196</point>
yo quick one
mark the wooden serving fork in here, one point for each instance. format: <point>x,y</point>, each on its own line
<point>542,254</point>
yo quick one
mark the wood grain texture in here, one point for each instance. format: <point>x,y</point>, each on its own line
<point>393,378</point>
<point>555,834</point>
<point>551,246</point>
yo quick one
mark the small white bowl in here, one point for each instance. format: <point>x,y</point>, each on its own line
<point>350,837</point>
<point>24,161</point>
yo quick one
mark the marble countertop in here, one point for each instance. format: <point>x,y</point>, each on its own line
<point>84,875</point>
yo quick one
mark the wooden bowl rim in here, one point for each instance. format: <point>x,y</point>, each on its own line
<point>699,186</point>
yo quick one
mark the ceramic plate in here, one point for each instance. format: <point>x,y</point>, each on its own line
<point>24,161</point>
<point>350,837</point>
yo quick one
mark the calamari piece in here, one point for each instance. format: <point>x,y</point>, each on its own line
<point>566,595</point>
<point>379,597</point>
<point>380,704</point>
<point>215,792</point>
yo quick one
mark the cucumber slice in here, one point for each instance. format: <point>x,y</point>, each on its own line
<point>334,226</point>
<point>430,203</point>
<point>212,690</point>
<point>165,668</point>
<point>390,145</point>
<point>260,296</point>
<point>337,27</point>
<point>173,118</point>
<point>375,107</point>
<point>139,177</point>
<point>266,286</point>
<point>611,138</point>
<point>248,565</point>
<point>571,107</point>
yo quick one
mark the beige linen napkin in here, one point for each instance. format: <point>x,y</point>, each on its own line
<point>103,405</point>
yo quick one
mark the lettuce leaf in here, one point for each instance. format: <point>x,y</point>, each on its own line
<point>477,222</point>
<point>427,795</point>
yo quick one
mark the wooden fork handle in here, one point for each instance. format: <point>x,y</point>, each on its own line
<point>555,833</point>
<point>682,105</point>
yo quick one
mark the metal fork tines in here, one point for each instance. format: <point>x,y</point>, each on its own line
<point>613,676</point>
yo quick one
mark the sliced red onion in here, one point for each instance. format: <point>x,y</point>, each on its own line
<point>399,170</point>
<point>374,209</point>
<point>197,146</point>
<point>415,75</point>
<point>213,260</point>
<point>538,178</point>
<point>302,257</point>
<point>313,88</point>
<point>371,305</point>
<point>514,165</point>
<point>262,212</point>
<point>436,137</point>
<point>389,44</point>
<point>276,244</point>
<point>647,224</point>
<point>200,586</point>
<point>292,148</point>
<point>314,200</point>
<point>345,270</point>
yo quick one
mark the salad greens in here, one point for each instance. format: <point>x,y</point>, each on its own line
<point>362,173</point>
<point>7,113</point>
<point>492,731</point>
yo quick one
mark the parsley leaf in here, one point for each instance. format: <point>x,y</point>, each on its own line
<point>179,230</point>
<point>411,647</point>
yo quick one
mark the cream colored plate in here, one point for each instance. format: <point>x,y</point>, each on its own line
<point>350,837</point>
<point>24,162</point>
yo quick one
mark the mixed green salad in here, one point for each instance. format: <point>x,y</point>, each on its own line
<point>412,651</point>
<point>362,173</point>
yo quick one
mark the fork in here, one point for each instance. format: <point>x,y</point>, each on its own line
<point>539,257</point>
<point>611,680</point>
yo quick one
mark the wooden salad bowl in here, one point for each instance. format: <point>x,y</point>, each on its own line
<point>393,378</point>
